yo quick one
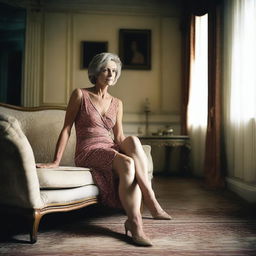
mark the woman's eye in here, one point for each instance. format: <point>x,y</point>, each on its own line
<point>104,70</point>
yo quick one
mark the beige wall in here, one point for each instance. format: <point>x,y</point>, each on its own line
<point>61,35</point>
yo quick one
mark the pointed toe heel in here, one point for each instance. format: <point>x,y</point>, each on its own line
<point>138,240</point>
<point>162,216</point>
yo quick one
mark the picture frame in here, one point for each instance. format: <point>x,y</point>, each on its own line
<point>135,48</point>
<point>89,49</point>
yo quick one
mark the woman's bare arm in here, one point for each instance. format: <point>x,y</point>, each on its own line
<point>118,128</point>
<point>71,112</point>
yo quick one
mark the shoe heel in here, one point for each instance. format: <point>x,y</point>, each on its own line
<point>142,241</point>
<point>126,229</point>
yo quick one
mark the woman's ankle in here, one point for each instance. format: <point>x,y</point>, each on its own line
<point>135,219</point>
<point>153,205</point>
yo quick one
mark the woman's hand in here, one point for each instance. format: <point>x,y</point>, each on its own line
<point>47,165</point>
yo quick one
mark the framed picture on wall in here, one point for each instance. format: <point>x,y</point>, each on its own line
<point>89,49</point>
<point>135,48</point>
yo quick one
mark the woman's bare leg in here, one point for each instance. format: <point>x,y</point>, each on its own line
<point>129,192</point>
<point>132,147</point>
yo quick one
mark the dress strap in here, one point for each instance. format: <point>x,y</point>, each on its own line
<point>85,94</point>
<point>84,98</point>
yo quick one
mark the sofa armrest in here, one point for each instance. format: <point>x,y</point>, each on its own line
<point>147,150</point>
<point>19,185</point>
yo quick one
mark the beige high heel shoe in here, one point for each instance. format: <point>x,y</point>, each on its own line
<point>139,240</point>
<point>162,216</point>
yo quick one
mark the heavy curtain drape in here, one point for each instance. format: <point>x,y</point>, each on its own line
<point>213,170</point>
<point>212,153</point>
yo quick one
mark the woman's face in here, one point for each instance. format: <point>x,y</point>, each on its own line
<point>107,74</point>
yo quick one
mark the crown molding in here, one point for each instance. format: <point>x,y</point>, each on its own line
<point>118,7</point>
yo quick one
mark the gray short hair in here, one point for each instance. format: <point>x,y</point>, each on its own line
<point>99,61</point>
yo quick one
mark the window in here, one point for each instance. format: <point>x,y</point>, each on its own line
<point>198,95</point>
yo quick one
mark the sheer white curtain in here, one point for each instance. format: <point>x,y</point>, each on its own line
<point>198,95</point>
<point>240,89</point>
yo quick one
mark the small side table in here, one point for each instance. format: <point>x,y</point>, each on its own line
<point>171,142</point>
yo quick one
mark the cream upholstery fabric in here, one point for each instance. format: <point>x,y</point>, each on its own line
<point>42,129</point>
<point>64,177</point>
<point>64,196</point>
<point>147,149</point>
<point>19,182</point>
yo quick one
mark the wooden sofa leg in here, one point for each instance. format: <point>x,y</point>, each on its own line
<point>35,224</point>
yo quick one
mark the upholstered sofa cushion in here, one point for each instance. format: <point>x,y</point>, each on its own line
<point>64,177</point>
<point>68,195</point>
<point>147,150</point>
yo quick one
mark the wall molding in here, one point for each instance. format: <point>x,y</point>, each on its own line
<point>244,190</point>
<point>134,123</point>
<point>156,118</point>
<point>32,65</point>
<point>64,23</point>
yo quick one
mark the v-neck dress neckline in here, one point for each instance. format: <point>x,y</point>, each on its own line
<point>102,115</point>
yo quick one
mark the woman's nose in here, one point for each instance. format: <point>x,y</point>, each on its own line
<point>110,73</point>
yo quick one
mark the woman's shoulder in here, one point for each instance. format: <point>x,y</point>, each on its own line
<point>118,104</point>
<point>75,98</point>
<point>83,91</point>
<point>117,100</point>
<point>77,93</point>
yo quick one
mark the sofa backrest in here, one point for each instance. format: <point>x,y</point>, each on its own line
<point>42,127</point>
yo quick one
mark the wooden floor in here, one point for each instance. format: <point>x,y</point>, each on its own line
<point>204,223</point>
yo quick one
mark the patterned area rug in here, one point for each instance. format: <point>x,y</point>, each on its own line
<point>207,223</point>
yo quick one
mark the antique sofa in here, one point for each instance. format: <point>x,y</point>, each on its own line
<point>28,136</point>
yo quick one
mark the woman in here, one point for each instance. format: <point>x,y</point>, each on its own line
<point>119,166</point>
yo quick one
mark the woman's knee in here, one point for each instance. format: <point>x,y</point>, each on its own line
<point>134,140</point>
<point>124,165</point>
<point>132,143</point>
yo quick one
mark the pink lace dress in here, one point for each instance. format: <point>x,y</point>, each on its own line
<point>96,149</point>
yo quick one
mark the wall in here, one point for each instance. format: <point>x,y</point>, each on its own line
<point>56,35</point>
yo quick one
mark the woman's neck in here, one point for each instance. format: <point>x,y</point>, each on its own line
<point>101,91</point>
